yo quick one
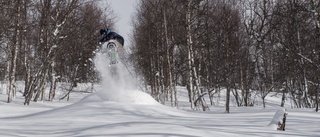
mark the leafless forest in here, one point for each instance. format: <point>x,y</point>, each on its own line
<point>48,41</point>
<point>242,46</point>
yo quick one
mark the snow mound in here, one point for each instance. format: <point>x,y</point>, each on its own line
<point>118,85</point>
<point>132,97</point>
<point>278,117</point>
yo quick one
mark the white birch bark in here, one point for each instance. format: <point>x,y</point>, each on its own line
<point>13,64</point>
<point>171,90</point>
<point>7,74</point>
<point>53,84</point>
<point>190,59</point>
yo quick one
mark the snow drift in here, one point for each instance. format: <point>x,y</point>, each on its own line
<point>277,119</point>
<point>117,84</point>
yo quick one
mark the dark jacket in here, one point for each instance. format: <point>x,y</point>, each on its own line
<point>111,35</point>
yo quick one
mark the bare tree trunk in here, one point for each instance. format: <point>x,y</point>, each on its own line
<point>237,97</point>
<point>263,101</point>
<point>72,81</point>
<point>171,89</point>
<point>31,89</point>
<point>42,85</point>
<point>68,92</point>
<point>317,95</point>
<point>52,92</point>
<point>228,74</point>
<point>198,88</point>
<point>13,64</point>
<point>27,67</point>
<point>306,89</point>
<point>161,79</point>
<point>242,85</point>
<point>53,81</point>
<point>228,100</point>
<point>153,80</point>
<point>283,98</point>
<point>7,73</point>
<point>317,99</point>
<point>190,59</point>
<point>174,83</point>
<point>290,88</point>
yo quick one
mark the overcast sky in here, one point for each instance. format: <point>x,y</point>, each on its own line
<point>124,10</point>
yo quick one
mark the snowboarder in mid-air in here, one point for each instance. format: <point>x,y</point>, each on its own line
<point>114,42</point>
<point>107,34</point>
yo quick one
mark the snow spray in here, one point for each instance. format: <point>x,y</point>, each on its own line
<point>117,84</point>
<point>115,78</point>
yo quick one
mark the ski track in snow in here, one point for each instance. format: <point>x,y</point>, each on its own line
<point>117,109</point>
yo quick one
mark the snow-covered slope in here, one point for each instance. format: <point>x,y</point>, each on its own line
<point>117,109</point>
<point>93,116</point>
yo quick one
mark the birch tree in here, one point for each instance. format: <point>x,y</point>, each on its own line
<point>190,85</point>
<point>61,14</point>
<point>298,48</point>
<point>13,48</point>
<point>54,15</point>
<point>157,40</point>
<point>34,33</point>
<point>260,23</point>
